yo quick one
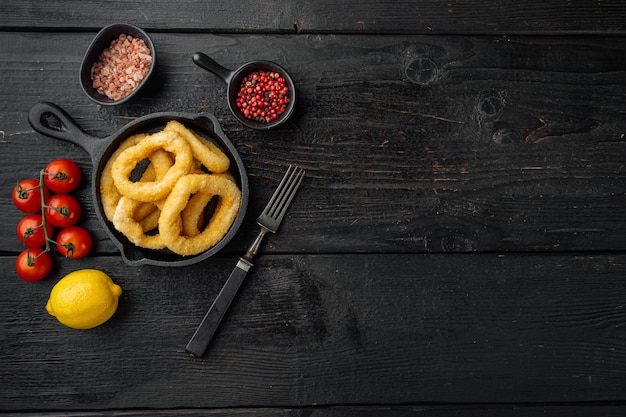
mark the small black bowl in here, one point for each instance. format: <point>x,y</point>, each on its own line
<point>233,80</point>
<point>102,41</point>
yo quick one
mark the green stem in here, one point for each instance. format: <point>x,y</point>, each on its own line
<point>43,211</point>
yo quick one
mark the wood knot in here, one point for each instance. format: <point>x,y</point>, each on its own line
<point>422,71</point>
<point>450,240</point>
<point>490,106</point>
<point>504,135</point>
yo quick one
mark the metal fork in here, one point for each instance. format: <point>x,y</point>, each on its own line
<point>269,220</point>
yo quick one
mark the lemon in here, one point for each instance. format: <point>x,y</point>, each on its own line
<point>84,299</point>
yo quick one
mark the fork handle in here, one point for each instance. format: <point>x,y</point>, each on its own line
<point>254,248</point>
<point>211,321</point>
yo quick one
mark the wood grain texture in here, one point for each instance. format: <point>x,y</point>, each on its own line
<point>457,247</point>
<point>448,144</point>
<point>429,17</point>
<point>328,330</point>
<point>459,410</point>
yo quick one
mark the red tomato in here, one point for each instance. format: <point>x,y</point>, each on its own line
<point>62,176</point>
<point>33,264</point>
<point>62,210</point>
<point>27,196</point>
<point>74,242</point>
<point>30,230</point>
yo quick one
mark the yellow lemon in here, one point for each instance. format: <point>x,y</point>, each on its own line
<point>84,299</point>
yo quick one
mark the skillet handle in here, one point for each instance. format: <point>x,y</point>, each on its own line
<point>51,120</point>
<point>207,63</point>
<point>211,123</point>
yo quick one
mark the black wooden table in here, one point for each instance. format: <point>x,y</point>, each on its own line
<point>457,247</point>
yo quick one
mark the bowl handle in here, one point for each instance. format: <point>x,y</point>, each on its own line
<point>51,120</point>
<point>207,63</point>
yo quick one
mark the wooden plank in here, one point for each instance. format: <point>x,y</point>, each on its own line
<point>495,410</point>
<point>328,330</point>
<point>448,144</point>
<point>324,16</point>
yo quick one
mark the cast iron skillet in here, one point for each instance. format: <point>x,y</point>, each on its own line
<point>50,120</point>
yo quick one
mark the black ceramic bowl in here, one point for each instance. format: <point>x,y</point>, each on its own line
<point>101,42</point>
<point>233,80</point>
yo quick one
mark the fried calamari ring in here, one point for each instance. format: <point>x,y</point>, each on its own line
<point>151,221</point>
<point>144,210</point>
<point>109,194</point>
<point>147,213</point>
<point>171,223</point>
<point>126,162</point>
<point>135,218</point>
<point>124,221</point>
<point>193,214</point>
<point>203,149</point>
<point>161,162</point>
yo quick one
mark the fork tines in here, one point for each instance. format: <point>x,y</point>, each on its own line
<point>277,206</point>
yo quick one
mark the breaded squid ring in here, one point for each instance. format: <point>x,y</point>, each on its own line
<point>203,150</point>
<point>193,214</point>
<point>161,162</point>
<point>144,210</point>
<point>147,213</point>
<point>124,222</point>
<point>151,221</point>
<point>126,162</point>
<point>171,223</point>
<point>109,195</point>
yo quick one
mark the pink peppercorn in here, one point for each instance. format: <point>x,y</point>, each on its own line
<point>263,96</point>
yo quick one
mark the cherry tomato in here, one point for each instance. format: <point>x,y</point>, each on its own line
<point>33,264</point>
<point>62,210</point>
<point>62,176</point>
<point>30,230</point>
<point>74,242</point>
<point>27,196</point>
